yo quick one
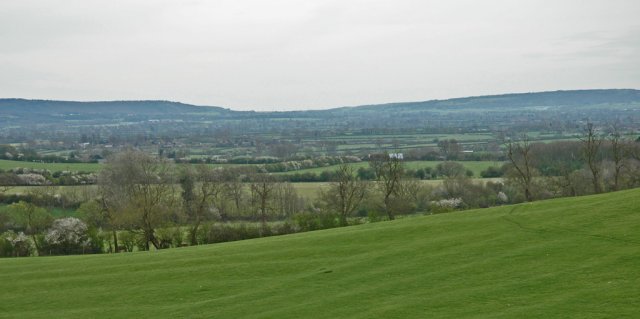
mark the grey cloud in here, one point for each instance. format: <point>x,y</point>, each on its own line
<point>286,54</point>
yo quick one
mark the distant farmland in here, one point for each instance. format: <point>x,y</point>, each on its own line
<point>475,166</point>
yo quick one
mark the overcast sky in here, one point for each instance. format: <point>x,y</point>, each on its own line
<point>293,54</point>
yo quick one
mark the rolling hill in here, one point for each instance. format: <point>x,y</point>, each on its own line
<point>573,257</point>
<point>571,98</point>
<point>50,107</point>
<point>151,107</point>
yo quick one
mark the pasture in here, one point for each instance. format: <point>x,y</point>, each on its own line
<point>571,257</point>
<point>475,166</point>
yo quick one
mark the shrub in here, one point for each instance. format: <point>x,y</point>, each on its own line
<point>492,172</point>
<point>68,236</point>
<point>446,205</point>
<point>283,229</point>
<point>450,169</point>
<point>6,249</point>
<point>127,241</point>
<point>309,221</point>
<point>373,216</point>
<point>15,245</point>
<point>218,233</point>
<point>170,237</point>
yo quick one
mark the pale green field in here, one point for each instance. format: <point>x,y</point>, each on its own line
<point>307,190</point>
<point>475,166</point>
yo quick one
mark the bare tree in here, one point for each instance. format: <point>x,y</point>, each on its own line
<point>632,149</point>
<point>233,186</point>
<point>450,149</point>
<point>617,154</point>
<point>287,201</point>
<point>591,142</point>
<point>200,189</point>
<point>389,172</point>
<point>519,154</point>
<point>8,181</point>
<point>138,192</point>
<point>96,213</point>
<point>345,193</point>
<point>262,189</point>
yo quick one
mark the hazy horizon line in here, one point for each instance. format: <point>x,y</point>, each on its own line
<point>240,109</point>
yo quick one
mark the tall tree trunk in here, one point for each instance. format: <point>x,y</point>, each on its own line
<point>115,240</point>
<point>527,194</point>
<point>35,243</point>
<point>263,210</point>
<point>194,234</point>
<point>151,238</point>
<point>343,219</point>
<point>387,207</point>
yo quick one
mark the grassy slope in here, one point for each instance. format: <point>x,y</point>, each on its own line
<point>576,257</point>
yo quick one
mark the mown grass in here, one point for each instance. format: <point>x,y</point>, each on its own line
<point>567,258</point>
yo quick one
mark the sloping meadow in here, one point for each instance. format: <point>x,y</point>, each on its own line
<point>573,257</point>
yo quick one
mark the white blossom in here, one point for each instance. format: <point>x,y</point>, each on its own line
<point>502,197</point>
<point>67,231</point>
<point>448,203</point>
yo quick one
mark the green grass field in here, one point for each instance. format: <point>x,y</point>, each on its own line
<point>565,258</point>
<point>309,190</point>
<point>85,167</point>
<point>475,166</point>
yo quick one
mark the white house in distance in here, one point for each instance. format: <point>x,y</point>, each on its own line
<point>399,156</point>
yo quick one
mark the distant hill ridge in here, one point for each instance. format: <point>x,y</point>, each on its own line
<point>101,107</point>
<point>551,98</point>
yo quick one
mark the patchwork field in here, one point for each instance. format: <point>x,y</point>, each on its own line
<point>475,166</point>
<point>574,257</point>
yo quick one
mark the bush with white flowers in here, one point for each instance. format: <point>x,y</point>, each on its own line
<point>502,198</point>
<point>17,244</point>
<point>446,205</point>
<point>67,236</point>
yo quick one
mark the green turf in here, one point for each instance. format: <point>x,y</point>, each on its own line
<point>566,258</point>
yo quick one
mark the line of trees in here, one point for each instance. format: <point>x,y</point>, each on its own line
<point>599,161</point>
